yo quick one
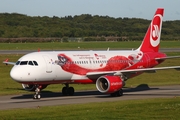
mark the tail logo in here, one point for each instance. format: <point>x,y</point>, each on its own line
<point>156,30</point>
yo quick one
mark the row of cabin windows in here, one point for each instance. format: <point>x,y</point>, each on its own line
<point>86,62</point>
<point>104,61</point>
<point>33,63</point>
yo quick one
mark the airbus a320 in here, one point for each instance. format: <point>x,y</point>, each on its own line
<point>109,70</point>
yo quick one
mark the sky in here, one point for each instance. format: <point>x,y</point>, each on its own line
<point>144,9</point>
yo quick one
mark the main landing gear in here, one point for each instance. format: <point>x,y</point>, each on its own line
<point>37,94</point>
<point>67,90</point>
<point>117,93</point>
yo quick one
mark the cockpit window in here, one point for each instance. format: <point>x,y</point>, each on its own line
<point>30,63</point>
<point>17,63</point>
<point>23,62</point>
<point>35,63</point>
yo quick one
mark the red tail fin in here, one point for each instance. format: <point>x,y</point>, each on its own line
<point>151,40</point>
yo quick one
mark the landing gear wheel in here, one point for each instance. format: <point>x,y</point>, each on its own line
<point>113,94</point>
<point>64,91</point>
<point>67,90</point>
<point>117,93</point>
<point>120,92</point>
<point>37,96</point>
<point>70,91</point>
<point>34,96</point>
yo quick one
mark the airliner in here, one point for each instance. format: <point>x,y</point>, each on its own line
<point>108,69</point>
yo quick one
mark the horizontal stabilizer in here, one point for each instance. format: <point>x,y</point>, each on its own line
<point>170,57</point>
<point>146,69</point>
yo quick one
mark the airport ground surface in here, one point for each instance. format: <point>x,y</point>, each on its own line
<point>51,98</point>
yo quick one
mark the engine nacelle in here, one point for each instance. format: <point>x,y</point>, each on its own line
<point>31,87</point>
<point>109,84</point>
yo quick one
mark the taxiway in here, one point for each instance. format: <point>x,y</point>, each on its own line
<point>52,99</point>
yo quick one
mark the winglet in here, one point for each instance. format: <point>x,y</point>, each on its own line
<point>6,61</point>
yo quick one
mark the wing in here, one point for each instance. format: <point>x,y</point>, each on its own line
<point>6,62</point>
<point>148,70</point>
<point>95,75</point>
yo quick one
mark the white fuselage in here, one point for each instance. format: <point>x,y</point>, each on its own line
<point>49,67</point>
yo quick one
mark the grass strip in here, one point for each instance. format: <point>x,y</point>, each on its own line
<point>82,45</point>
<point>148,109</point>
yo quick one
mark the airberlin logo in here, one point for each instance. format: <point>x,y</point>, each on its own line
<point>116,83</point>
<point>155,30</point>
<point>99,56</point>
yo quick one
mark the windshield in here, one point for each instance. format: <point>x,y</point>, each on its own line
<point>32,63</point>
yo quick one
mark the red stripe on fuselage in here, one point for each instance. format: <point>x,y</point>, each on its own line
<point>82,81</point>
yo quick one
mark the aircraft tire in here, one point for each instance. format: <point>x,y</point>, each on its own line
<point>117,93</point>
<point>36,96</point>
<point>120,92</point>
<point>70,91</point>
<point>64,91</point>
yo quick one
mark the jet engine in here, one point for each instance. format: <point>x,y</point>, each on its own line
<point>31,87</point>
<point>109,84</point>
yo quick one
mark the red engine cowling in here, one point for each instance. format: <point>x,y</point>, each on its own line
<point>109,84</point>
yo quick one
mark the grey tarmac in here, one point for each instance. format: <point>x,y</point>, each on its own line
<point>52,99</point>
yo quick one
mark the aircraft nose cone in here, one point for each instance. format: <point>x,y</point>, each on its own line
<point>14,75</point>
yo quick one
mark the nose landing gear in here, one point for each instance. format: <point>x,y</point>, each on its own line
<point>37,94</point>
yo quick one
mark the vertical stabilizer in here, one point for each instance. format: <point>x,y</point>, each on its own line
<point>151,40</point>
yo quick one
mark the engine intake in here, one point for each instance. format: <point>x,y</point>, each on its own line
<point>109,84</point>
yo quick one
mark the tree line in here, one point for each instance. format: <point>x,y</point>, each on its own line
<point>18,27</point>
